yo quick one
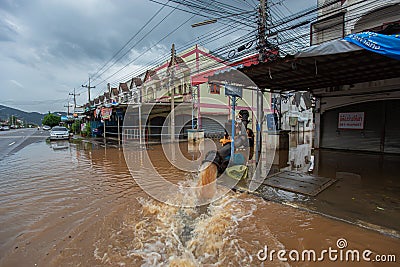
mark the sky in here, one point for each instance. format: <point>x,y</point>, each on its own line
<point>50,47</point>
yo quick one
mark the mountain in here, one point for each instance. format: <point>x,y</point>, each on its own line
<point>30,117</point>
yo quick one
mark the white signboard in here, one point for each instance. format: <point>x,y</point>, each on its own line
<point>351,120</point>
<point>79,110</point>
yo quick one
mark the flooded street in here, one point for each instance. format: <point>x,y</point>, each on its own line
<point>366,188</point>
<point>66,204</point>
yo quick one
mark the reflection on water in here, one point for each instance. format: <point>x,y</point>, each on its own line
<point>79,206</point>
<point>62,144</point>
<point>368,186</point>
<point>367,190</point>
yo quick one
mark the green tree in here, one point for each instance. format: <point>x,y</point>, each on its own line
<point>88,130</point>
<point>51,120</point>
<point>76,126</point>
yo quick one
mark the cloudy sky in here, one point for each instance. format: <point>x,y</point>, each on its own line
<point>50,47</point>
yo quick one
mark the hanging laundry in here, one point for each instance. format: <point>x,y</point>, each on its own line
<point>307,99</point>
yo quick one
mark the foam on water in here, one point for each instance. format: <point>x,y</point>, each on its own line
<point>166,235</point>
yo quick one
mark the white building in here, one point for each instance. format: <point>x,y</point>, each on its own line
<point>340,18</point>
<point>376,102</point>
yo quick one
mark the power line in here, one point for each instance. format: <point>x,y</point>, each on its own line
<point>205,35</point>
<point>289,39</point>
<point>209,39</point>
<point>299,25</point>
<point>152,29</point>
<point>196,13</point>
<point>125,53</point>
<point>214,52</point>
<point>74,94</point>
<point>131,61</point>
<point>126,44</point>
<point>147,50</point>
<point>88,87</point>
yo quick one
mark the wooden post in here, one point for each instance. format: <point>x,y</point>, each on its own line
<point>317,125</point>
<point>233,128</point>
<point>260,115</point>
<point>140,125</point>
<point>104,130</point>
<point>119,137</point>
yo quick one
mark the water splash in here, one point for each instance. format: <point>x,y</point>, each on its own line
<point>166,235</point>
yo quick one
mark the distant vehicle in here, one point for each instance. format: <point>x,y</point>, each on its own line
<point>5,128</point>
<point>46,128</point>
<point>59,133</point>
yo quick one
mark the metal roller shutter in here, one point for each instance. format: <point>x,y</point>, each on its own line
<point>392,127</point>
<point>367,139</point>
<point>213,126</point>
<point>381,131</point>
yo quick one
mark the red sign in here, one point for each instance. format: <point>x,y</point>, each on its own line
<point>351,120</point>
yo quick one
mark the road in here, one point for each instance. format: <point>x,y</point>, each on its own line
<point>14,140</point>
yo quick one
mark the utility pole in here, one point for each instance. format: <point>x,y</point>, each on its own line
<point>262,47</point>
<point>67,106</point>
<point>88,87</point>
<point>262,27</point>
<point>74,94</point>
<point>172,82</point>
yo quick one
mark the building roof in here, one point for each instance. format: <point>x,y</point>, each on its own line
<point>136,81</point>
<point>179,62</point>
<point>150,75</point>
<point>176,61</point>
<point>123,87</point>
<point>114,91</point>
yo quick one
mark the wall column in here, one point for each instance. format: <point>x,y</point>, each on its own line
<point>317,130</point>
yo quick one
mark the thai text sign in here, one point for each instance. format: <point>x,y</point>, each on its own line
<point>351,120</point>
<point>233,90</point>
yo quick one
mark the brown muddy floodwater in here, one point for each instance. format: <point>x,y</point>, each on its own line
<point>79,206</point>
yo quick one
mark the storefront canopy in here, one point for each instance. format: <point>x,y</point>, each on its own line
<point>331,64</point>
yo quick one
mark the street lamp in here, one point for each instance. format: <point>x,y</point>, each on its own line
<point>202,23</point>
<point>214,20</point>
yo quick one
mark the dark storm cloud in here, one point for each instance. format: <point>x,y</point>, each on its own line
<point>52,45</point>
<point>78,30</point>
<point>55,44</point>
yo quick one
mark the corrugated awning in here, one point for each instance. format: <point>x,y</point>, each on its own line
<point>329,65</point>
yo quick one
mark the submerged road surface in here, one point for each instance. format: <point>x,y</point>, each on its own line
<point>14,140</point>
<point>77,204</point>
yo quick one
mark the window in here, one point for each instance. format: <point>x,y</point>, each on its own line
<point>327,29</point>
<point>215,89</point>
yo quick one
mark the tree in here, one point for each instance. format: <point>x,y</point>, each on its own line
<point>76,126</point>
<point>51,120</point>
